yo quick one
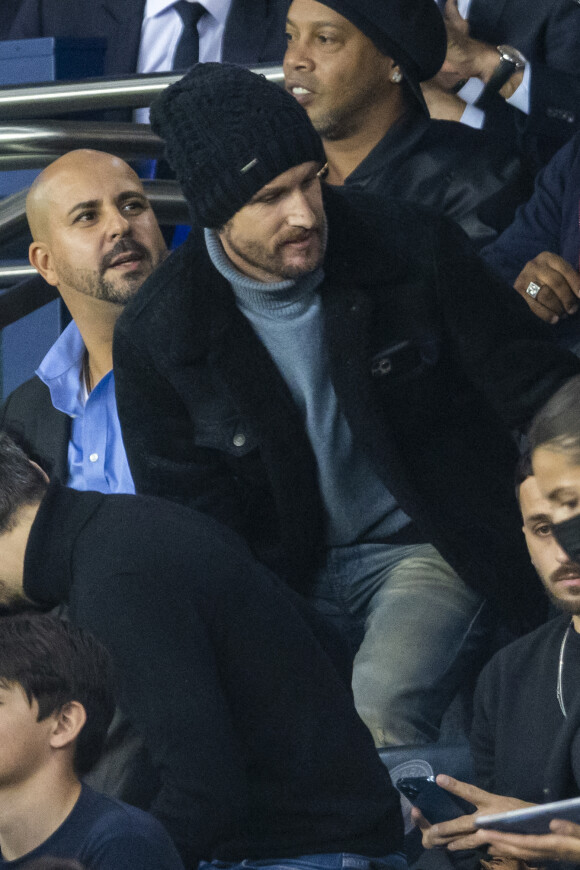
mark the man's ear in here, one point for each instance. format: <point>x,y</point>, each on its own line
<point>68,723</point>
<point>41,470</point>
<point>41,258</point>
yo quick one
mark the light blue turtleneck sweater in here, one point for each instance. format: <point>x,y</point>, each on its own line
<point>287,317</point>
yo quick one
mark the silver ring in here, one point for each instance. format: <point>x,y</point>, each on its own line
<point>533,289</point>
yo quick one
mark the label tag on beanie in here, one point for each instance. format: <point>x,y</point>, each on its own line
<point>249,166</point>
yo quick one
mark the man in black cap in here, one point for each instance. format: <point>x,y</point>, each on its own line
<point>356,67</point>
<point>323,372</point>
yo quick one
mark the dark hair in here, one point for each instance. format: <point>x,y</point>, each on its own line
<point>523,471</point>
<point>21,482</point>
<point>56,663</point>
<point>557,425</point>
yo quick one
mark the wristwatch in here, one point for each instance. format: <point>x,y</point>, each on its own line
<point>511,61</point>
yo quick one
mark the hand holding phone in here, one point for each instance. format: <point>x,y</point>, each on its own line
<point>460,832</point>
<point>436,804</point>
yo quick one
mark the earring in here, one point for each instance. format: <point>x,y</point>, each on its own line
<point>397,77</point>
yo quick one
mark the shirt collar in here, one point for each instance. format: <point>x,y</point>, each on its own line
<point>66,353</point>
<point>61,371</point>
<point>217,8</point>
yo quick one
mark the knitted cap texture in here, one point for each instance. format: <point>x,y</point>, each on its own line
<point>411,32</point>
<point>228,132</point>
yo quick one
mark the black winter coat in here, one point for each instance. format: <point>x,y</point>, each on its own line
<point>433,360</point>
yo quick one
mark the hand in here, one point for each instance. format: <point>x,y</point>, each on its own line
<point>559,283</point>
<point>563,844</point>
<point>442,104</point>
<point>453,19</point>
<point>466,57</point>
<point>461,833</point>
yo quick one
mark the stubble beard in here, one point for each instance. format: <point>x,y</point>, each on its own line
<point>571,603</point>
<point>346,120</point>
<point>97,286</point>
<point>334,126</point>
<point>257,256</point>
<point>109,291</point>
<point>12,602</point>
<point>567,605</point>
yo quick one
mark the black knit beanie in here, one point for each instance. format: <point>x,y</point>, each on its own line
<point>411,32</point>
<point>228,132</point>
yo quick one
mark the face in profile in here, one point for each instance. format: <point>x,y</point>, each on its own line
<point>560,576</point>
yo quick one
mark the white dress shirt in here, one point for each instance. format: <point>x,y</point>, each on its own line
<point>160,32</point>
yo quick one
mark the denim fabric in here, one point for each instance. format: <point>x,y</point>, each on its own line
<point>330,861</point>
<point>418,630</point>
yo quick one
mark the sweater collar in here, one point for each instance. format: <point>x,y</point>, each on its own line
<point>62,515</point>
<point>282,298</point>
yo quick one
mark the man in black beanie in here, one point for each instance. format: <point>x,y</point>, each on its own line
<point>322,371</point>
<point>357,66</point>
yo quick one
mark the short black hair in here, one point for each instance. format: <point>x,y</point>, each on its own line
<point>21,482</point>
<point>56,663</point>
<point>556,426</point>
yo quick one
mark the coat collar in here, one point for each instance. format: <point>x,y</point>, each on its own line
<point>359,221</point>
<point>401,140</point>
<point>210,312</point>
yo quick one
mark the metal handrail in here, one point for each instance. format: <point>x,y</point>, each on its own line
<point>12,215</point>
<point>165,196</point>
<point>33,145</point>
<point>55,98</point>
<point>16,272</point>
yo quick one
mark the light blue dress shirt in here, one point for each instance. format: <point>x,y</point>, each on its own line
<point>96,454</point>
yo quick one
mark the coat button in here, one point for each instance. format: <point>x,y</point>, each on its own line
<point>381,367</point>
<point>239,439</point>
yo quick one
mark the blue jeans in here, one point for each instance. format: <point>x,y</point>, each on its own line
<point>331,861</point>
<point>417,627</point>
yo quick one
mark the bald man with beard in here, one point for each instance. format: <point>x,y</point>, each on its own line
<point>96,239</point>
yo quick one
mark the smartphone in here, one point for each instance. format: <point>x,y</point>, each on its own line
<point>436,804</point>
<point>532,820</point>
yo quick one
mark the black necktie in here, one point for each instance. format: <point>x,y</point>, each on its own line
<point>187,50</point>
